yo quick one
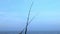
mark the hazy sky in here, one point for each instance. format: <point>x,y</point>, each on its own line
<point>13,14</point>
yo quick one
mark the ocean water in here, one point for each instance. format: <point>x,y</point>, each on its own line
<point>33,32</point>
<point>9,32</point>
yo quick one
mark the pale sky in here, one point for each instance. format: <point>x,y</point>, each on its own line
<point>13,15</point>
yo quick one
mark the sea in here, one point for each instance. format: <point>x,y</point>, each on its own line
<point>32,32</point>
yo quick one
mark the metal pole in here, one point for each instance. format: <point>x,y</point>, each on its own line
<point>28,18</point>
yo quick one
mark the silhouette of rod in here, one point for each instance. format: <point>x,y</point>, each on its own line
<point>28,22</point>
<point>28,18</point>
